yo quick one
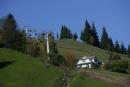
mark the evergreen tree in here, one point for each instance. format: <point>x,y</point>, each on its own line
<point>70,35</point>
<point>2,20</point>
<point>94,36</point>
<point>110,45</point>
<point>75,36</point>
<point>117,47</point>
<point>65,33</point>
<point>57,35</point>
<point>9,30</point>
<point>82,36</point>
<point>104,39</point>
<point>128,51</point>
<point>87,32</point>
<point>123,49</point>
<point>11,36</point>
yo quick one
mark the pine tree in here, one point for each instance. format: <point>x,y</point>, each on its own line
<point>70,35</point>
<point>104,39</point>
<point>87,32</point>
<point>57,35</point>
<point>117,47</point>
<point>11,36</point>
<point>122,48</point>
<point>110,45</point>
<point>82,36</point>
<point>62,34</point>
<point>65,33</point>
<point>75,36</point>
<point>128,51</point>
<point>94,36</point>
<point>9,30</point>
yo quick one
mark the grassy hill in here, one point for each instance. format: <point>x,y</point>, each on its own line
<point>20,70</point>
<point>83,81</point>
<point>80,49</point>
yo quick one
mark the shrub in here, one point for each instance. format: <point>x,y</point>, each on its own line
<point>128,71</point>
<point>107,66</point>
<point>70,59</point>
<point>59,60</point>
<point>119,66</point>
<point>36,51</point>
<point>114,57</point>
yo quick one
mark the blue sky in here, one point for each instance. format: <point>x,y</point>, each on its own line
<point>50,15</point>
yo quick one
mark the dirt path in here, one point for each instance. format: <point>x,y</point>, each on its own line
<point>125,82</point>
<point>64,80</point>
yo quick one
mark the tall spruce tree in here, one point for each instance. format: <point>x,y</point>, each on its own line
<point>65,33</point>
<point>117,47</point>
<point>104,39</point>
<point>128,51</point>
<point>110,45</point>
<point>94,36</point>
<point>57,35</point>
<point>122,49</point>
<point>75,36</point>
<point>87,32</point>
<point>70,35</point>
<point>9,30</point>
<point>82,36</point>
<point>11,36</point>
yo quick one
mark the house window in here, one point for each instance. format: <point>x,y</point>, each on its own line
<point>83,60</point>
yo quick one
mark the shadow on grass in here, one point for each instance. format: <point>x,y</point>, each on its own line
<point>3,64</point>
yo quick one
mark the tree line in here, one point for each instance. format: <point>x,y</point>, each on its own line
<point>33,43</point>
<point>90,36</point>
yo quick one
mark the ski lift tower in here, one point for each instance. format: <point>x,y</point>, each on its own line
<point>47,42</point>
<point>48,47</point>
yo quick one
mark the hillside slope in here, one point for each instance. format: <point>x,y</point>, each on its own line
<point>84,81</point>
<point>20,70</point>
<point>80,49</point>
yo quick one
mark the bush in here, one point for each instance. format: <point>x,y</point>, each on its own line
<point>70,59</point>
<point>35,51</point>
<point>114,57</point>
<point>119,66</point>
<point>128,71</point>
<point>59,60</point>
<point>107,66</point>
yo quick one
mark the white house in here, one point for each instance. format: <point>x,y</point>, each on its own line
<point>88,62</point>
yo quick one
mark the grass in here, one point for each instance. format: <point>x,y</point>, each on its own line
<point>20,70</point>
<point>83,81</point>
<point>80,49</point>
<point>110,74</point>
